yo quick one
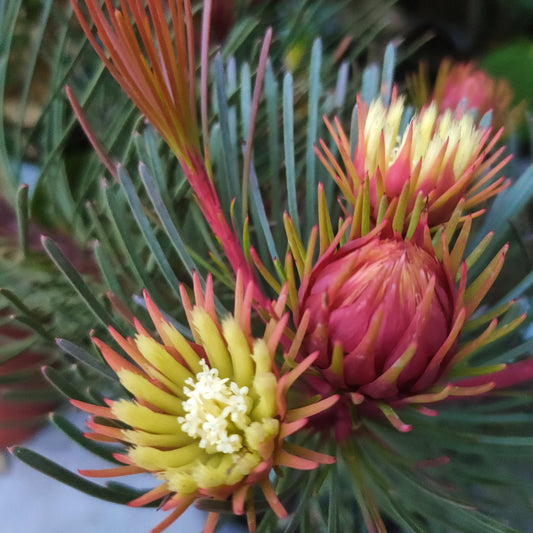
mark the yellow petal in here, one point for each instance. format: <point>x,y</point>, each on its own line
<point>239,349</point>
<point>162,360</point>
<point>214,345</point>
<point>258,432</point>
<point>426,125</point>
<point>265,387</point>
<point>262,358</point>
<point>173,337</point>
<point>246,463</point>
<point>143,418</point>
<point>180,480</point>
<point>214,472</point>
<point>154,459</point>
<point>143,438</point>
<point>142,389</point>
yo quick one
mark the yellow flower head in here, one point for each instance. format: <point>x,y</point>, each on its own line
<point>436,161</point>
<point>208,418</point>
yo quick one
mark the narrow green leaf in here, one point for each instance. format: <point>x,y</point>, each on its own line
<point>259,208</point>
<point>105,452</point>
<point>486,120</point>
<point>51,469</point>
<point>130,245</point>
<point>245,99</point>
<point>103,234</point>
<point>243,28</point>
<point>254,107</point>
<point>144,226</point>
<point>108,271</point>
<point>387,74</point>
<point>333,508</point>
<point>65,386</point>
<point>77,282</point>
<point>342,86</point>
<point>164,217</point>
<point>22,218</point>
<point>274,156</point>
<point>9,12</point>
<point>229,187</point>
<point>34,51</point>
<point>312,135</point>
<point>18,303</point>
<point>288,141</point>
<point>370,83</point>
<point>507,205</point>
<point>154,159</point>
<point>86,358</point>
<point>46,395</point>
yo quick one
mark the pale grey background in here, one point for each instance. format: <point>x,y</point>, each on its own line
<point>30,502</point>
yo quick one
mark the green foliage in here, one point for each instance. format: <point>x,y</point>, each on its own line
<point>513,62</point>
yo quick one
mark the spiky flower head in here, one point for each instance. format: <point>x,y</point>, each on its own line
<point>208,418</point>
<point>386,315</point>
<point>432,163</point>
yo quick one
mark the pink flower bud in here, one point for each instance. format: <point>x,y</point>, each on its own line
<point>390,305</point>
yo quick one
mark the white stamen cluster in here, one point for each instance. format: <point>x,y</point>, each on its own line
<point>216,411</point>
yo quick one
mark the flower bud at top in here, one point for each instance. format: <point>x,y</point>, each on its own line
<point>439,160</point>
<point>466,86</point>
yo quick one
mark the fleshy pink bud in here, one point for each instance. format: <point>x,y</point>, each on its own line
<point>385,315</point>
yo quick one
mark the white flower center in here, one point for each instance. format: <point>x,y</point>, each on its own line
<point>216,411</point>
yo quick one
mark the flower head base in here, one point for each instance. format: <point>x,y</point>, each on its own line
<point>208,418</point>
<point>437,160</point>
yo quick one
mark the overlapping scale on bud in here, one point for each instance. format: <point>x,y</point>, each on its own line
<point>430,163</point>
<point>208,418</point>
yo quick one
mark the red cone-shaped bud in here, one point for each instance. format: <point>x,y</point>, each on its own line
<point>390,304</point>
